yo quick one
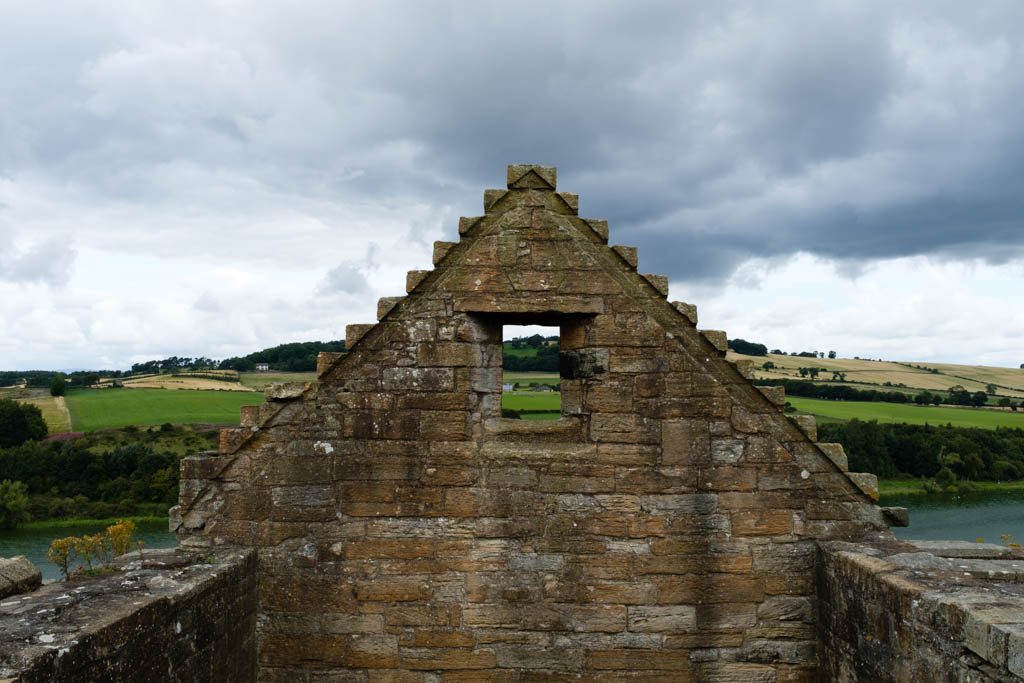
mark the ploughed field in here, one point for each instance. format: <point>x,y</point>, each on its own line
<point>910,376</point>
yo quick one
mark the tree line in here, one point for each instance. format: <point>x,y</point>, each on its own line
<point>956,395</point>
<point>795,387</point>
<point>941,452</point>
<point>293,357</point>
<point>66,480</point>
<point>542,354</point>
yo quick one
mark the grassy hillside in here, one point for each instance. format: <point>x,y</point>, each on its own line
<point>259,380</point>
<point>833,411</point>
<point>911,375</point>
<point>93,409</point>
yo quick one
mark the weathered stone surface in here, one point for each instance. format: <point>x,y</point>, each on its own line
<point>284,391</point>
<point>688,310</point>
<point>915,616</point>
<point>170,616</point>
<point>18,575</point>
<point>662,529</point>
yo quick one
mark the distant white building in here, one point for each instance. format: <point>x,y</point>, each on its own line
<point>262,367</point>
<point>508,387</point>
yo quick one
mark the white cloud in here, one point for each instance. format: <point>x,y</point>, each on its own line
<point>211,178</point>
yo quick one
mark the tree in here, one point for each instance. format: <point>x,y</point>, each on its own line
<point>1004,402</point>
<point>747,348</point>
<point>768,365</point>
<point>13,503</point>
<point>831,354</point>
<point>57,386</point>
<point>20,422</point>
<point>979,398</point>
<point>991,389</point>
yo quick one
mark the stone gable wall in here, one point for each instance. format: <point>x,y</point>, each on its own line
<point>663,530</point>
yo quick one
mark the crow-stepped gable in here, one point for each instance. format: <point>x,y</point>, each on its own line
<point>663,528</point>
<point>386,524</point>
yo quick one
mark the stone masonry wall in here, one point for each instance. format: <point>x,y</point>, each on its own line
<point>664,529</point>
<point>173,616</point>
<point>924,611</point>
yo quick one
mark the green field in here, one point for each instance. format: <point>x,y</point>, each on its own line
<point>532,400</point>
<point>259,380</point>
<point>832,411</point>
<point>93,409</point>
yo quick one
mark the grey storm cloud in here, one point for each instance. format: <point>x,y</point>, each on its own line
<point>706,133</point>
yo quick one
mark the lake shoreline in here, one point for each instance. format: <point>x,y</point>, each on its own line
<point>917,487</point>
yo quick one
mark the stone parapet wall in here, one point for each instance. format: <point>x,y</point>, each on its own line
<point>172,616</point>
<point>925,611</point>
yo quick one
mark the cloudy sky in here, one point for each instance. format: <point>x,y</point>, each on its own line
<point>211,178</point>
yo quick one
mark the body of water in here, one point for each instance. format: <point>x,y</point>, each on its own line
<point>966,517</point>
<point>962,517</point>
<point>33,543</point>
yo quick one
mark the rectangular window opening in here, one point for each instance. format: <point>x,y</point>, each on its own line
<point>530,382</point>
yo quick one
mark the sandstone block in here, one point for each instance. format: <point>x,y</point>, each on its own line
<point>653,619</point>
<point>18,575</point>
<point>441,250</point>
<point>659,282</point>
<point>717,338</point>
<point>531,176</point>
<point>688,310</point>
<point>355,332</point>
<point>628,254</point>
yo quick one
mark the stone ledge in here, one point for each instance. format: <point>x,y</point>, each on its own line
<point>154,613</point>
<point>954,618</point>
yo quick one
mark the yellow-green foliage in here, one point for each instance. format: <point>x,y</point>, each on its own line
<point>100,548</point>
<point>60,553</point>
<point>120,535</point>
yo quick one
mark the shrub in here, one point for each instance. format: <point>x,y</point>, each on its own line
<point>101,548</point>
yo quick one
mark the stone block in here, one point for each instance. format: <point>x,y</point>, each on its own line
<point>836,454</point>
<point>285,391</point>
<point>600,227</point>
<point>467,224</point>
<point>776,395</point>
<point>688,310</point>
<point>18,575</point>
<point>866,482</point>
<point>413,279</point>
<point>669,619</point>
<point>718,339</point>
<point>897,516</point>
<point>572,201</point>
<point>808,424</point>
<point>628,254</point>
<point>355,332</point>
<point>659,282</point>
<point>441,250</point>
<point>325,360</point>
<point>531,176</point>
<point>385,304</point>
